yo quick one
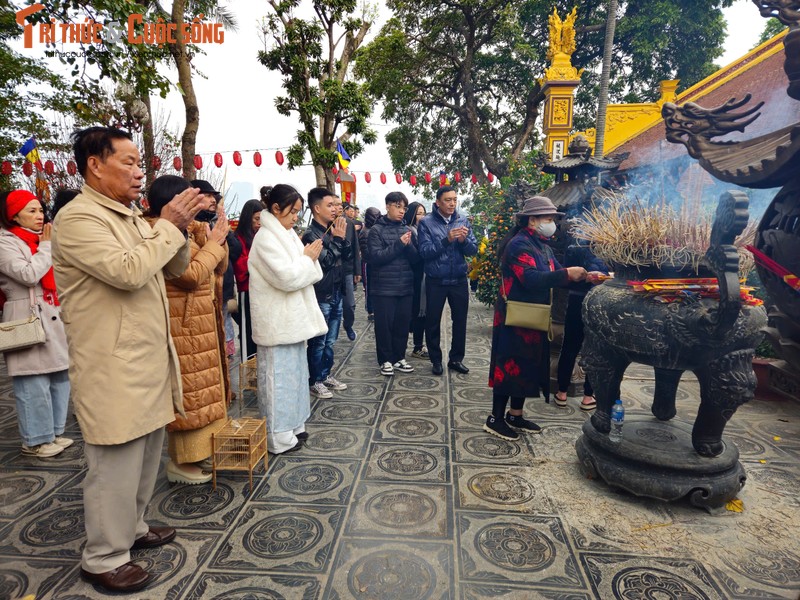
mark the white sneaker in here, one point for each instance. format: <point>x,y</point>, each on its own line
<point>387,369</point>
<point>63,442</point>
<point>334,384</point>
<point>42,450</point>
<point>320,391</point>
<point>403,366</point>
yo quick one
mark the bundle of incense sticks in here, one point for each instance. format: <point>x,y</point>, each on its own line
<point>677,290</point>
<point>792,280</point>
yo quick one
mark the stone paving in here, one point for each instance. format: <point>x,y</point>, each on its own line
<point>399,494</point>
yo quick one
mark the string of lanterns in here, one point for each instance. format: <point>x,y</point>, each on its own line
<point>7,168</point>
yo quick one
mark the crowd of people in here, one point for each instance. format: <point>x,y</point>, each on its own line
<point>139,307</point>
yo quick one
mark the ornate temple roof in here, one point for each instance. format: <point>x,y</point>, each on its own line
<point>580,160</point>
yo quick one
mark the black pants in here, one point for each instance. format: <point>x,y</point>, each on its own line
<point>246,342</point>
<point>500,401</point>
<point>392,314</point>
<point>573,340</point>
<point>457,296</point>
<point>418,331</point>
<point>348,303</point>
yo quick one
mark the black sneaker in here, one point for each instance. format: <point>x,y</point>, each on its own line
<point>499,428</point>
<point>520,422</point>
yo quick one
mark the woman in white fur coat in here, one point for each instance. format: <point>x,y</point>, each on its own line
<point>285,314</point>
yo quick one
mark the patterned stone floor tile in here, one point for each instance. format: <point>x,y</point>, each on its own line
<point>200,506</point>
<point>475,591</point>
<point>389,570</point>
<point>421,381</point>
<point>409,463</point>
<point>8,412</point>
<point>412,429</point>
<point>537,409</point>
<point>53,529</point>
<point>629,576</point>
<point>400,511</point>
<point>557,440</point>
<point>481,447</point>
<point>360,390</point>
<point>344,412</point>
<point>70,459</point>
<point>760,573</point>
<point>500,488</point>
<point>317,481</point>
<point>469,416</point>
<point>779,479</point>
<point>410,402</point>
<point>473,394</point>
<point>173,566</point>
<point>242,586</point>
<point>336,441</point>
<point>20,489</point>
<point>514,549</point>
<point>20,576</point>
<point>361,373</point>
<point>280,539</point>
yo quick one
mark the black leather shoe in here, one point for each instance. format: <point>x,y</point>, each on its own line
<point>437,369</point>
<point>126,578</point>
<point>157,536</point>
<point>457,366</point>
<point>302,436</point>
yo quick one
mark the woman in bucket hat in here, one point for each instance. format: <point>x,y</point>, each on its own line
<point>520,360</point>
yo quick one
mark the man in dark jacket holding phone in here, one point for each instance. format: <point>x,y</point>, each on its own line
<point>391,251</point>
<point>445,240</point>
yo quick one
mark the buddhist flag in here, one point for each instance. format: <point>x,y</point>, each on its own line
<point>30,151</point>
<point>344,157</point>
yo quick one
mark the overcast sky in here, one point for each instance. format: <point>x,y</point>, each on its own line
<point>236,98</point>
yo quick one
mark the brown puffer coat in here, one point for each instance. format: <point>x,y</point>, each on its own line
<point>197,328</point>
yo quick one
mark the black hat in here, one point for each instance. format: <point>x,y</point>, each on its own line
<point>205,187</point>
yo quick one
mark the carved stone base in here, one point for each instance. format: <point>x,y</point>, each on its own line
<point>784,380</point>
<point>656,459</point>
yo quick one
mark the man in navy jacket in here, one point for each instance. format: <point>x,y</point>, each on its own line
<point>445,240</point>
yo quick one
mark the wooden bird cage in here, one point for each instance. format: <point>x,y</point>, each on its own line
<point>238,446</point>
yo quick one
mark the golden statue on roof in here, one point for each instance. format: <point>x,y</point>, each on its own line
<point>562,33</point>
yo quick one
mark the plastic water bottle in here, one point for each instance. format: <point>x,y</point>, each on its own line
<point>617,419</point>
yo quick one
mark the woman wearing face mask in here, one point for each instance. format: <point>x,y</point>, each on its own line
<point>38,373</point>
<point>197,328</point>
<point>520,361</point>
<point>285,315</point>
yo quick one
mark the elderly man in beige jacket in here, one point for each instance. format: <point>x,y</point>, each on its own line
<point>110,266</point>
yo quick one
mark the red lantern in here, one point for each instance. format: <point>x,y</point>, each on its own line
<point>412,180</point>
<point>27,168</point>
<point>49,167</point>
<point>367,177</point>
<point>490,176</point>
<point>279,158</point>
<point>338,179</point>
<point>177,163</point>
<point>383,178</point>
<point>398,178</point>
<point>72,168</point>
<point>198,161</point>
<point>257,159</point>
<point>218,160</point>
<point>334,170</point>
<point>442,179</point>
<point>7,168</point>
<point>156,164</point>
<point>457,176</point>
<point>474,178</point>
<point>427,177</point>
<point>237,158</point>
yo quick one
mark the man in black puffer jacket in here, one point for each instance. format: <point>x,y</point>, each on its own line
<point>390,253</point>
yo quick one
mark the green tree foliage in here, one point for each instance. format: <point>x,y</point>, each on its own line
<point>493,209</point>
<point>461,77</point>
<point>772,28</point>
<point>314,56</point>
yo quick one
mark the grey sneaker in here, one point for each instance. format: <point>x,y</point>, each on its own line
<point>42,450</point>
<point>334,384</point>
<point>403,366</point>
<point>320,391</point>
<point>63,442</point>
<point>387,369</point>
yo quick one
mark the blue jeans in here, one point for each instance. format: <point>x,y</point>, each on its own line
<point>320,348</point>
<point>42,402</point>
